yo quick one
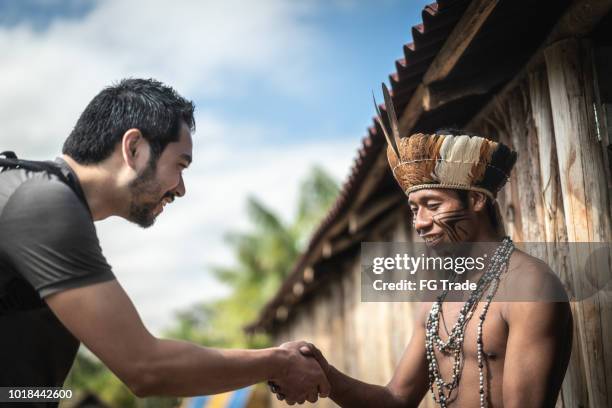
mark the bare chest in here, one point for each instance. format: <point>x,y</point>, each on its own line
<point>494,329</point>
<point>494,340</point>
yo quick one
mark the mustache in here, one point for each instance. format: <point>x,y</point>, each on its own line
<point>169,195</point>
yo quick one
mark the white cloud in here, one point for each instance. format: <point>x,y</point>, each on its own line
<point>200,47</point>
<point>203,49</point>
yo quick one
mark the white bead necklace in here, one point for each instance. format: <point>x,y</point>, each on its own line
<point>454,343</point>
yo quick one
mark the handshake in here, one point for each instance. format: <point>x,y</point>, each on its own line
<point>306,376</point>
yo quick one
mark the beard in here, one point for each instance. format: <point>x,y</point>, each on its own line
<point>146,196</point>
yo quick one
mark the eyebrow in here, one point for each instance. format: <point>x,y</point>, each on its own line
<point>427,197</point>
<point>186,157</point>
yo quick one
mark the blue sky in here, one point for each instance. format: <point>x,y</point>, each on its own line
<point>278,85</point>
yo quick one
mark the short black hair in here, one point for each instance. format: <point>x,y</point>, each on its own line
<point>148,105</point>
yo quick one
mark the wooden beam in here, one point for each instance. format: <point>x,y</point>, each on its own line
<point>457,42</point>
<point>413,110</point>
<point>522,134</point>
<point>585,196</point>
<point>345,242</point>
<point>539,97</point>
<point>441,93</point>
<point>359,219</point>
<point>464,32</point>
<point>375,175</point>
<point>579,20</point>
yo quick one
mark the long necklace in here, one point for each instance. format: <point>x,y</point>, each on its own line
<point>454,343</point>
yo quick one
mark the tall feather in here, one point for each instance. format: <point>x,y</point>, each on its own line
<point>391,114</point>
<point>390,141</point>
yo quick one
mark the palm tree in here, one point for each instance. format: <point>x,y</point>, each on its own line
<point>264,256</point>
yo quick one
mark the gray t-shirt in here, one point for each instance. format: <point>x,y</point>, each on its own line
<point>48,243</point>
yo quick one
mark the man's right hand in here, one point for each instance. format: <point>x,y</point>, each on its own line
<point>303,380</point>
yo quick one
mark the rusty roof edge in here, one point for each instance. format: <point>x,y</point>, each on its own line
<point>371,147</point>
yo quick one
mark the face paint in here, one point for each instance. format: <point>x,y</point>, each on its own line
<point>454,224</point>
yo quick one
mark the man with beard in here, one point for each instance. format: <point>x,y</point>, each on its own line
<point>480,351</point>
<point>124,157</point>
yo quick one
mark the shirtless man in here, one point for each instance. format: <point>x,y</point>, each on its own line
<point>525,344</point>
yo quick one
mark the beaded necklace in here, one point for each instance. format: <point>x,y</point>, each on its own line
<point>454,343</point>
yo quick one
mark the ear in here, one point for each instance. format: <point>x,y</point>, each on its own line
<point>134,148</point>
<point>478,200</point>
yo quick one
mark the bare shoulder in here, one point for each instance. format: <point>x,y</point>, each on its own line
<point>523,264</point>
<point>534,296</point>
<point>530,279</point>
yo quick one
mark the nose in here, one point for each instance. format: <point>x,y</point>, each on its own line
<point>180,191</point>
<point>422,221</point>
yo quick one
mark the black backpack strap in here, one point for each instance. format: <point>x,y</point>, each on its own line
<point>12,162</point>
<point>20,295</point>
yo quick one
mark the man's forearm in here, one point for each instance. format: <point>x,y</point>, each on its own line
<point>349,392</point>
<point>177,368</point>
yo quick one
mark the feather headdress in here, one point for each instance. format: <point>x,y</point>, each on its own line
<point>444,161</point>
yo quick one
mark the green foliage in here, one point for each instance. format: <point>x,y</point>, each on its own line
<point>317,194</point>
<point>89,375</point>
<point>264,256</point>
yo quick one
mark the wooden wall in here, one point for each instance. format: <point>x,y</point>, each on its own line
<point>557,193</point>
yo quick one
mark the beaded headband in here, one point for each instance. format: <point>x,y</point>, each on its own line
<point>460,162</point>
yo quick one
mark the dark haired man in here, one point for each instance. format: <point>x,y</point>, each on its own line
<point>124,157</point>
<point>480,351</point>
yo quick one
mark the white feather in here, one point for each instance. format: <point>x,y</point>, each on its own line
<point>458,155</point>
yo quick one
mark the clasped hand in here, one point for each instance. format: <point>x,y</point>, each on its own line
<point>306,376</point>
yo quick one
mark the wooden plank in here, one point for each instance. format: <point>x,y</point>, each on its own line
<point>584,196</point>
<point>528,188</point>
<point>350,304</point>
<point>453,49</point>
<point>554,227</point>
<point>574,392</point>
<point>360,219</point>
<point>500,125</point>
<point>579,20</point>
<point>444,92</point>
<point>379,169</point>
<point>598,168</point>
<point>462,35</point>
<point>579,153</point>
<point>413,111</point>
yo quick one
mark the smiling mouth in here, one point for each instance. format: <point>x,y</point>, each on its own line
<point>433,240</point>
<point>162,204</point>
